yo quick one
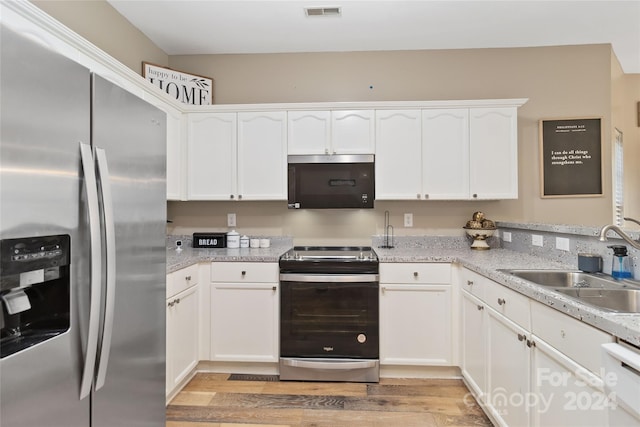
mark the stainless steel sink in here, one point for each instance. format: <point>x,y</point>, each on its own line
<point>598,290</point>
<point>566,279</point>
<point>619,300</point>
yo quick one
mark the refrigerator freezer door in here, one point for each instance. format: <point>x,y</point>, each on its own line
<point>132,135</point>
<point>45,106</point>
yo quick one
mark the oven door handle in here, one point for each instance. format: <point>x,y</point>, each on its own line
<point>329,278</point>
<point>337,365</point>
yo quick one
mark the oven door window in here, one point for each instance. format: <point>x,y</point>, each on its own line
<point>329,319</point>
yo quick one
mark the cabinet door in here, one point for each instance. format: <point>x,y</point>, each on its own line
<point>176,156</point>
<point>493,148</point>
<point>244,322</point>
<point>508,370</point>
<point>398,155</point>
<point>211,156</point>
<point>473,348</point>
<point>415,325</point>
<point>566,394</point>
<point>262,156</point>
<point>353,132</point>
<point>445,154</point>
<point>182,336</point>
<point>309,132</point>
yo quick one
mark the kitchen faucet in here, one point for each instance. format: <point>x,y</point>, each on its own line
<point>618,230</point>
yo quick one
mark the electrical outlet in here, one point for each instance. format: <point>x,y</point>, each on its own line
<point>562,243</point>
<point>536,240</point>
<point>408,220</point>
<point>231,220</point>
<point>506,236</point>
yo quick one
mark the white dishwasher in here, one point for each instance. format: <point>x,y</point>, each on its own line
<point>622,383</point>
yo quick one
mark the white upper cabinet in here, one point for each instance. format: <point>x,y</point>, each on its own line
<point>309,132</point>
<point>331,132</point>
<point>211,151</point>
<point>445,154</point>
<point>398,154</point>
<point>262,156</point>
<point>353,132</point>
<point>493,145</point>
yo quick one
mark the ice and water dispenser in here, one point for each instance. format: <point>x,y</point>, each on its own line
<point>34,291</point>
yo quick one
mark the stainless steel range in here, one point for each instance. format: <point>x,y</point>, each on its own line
<point>329,328</point>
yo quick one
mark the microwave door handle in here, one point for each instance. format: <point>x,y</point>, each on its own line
<point>95,278</point>
<point>110,244</point>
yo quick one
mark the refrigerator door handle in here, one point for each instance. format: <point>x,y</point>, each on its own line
<point>93,209</point>
<point>110,244</point>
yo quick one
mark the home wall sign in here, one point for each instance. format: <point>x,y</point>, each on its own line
<point>187,88</point>
<point>571,157</point>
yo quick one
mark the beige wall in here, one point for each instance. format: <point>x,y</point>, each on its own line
<point>103,26</point>
<point>570,81</point>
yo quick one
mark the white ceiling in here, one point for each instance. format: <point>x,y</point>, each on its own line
<point>182,27</point>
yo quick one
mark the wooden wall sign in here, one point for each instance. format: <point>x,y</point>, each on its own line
<point>571,157</point>
<point>187,88</point>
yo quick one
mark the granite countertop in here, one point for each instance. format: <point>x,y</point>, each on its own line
<point>487,263</point>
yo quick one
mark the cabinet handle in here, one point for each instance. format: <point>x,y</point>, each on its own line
<point>469,282</point>
<point>501,301</point>
<point>187,278</point>
<point>531,343</point>
<point>521,337</point>
<point>480,307</point>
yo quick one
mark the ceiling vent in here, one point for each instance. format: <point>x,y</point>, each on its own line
<point>322,11</point>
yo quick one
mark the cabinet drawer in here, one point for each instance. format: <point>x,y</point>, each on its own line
<point>473,283</point>
<point>509,303</point>
<point>250,272</point>
<point>182,279</point>
<point>439,273</point>
<point>576,339</point>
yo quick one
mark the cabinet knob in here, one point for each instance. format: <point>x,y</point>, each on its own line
<point>274,288</point>
<point>521,337</point>
<point>469,282</point>
<point>426,196</point>
<point>239,196</point>
<point>531,343</point>
<point>177,300</point>
<point>415,274</point>
<point>475,196</point>
<point>187,278</point>
<point>244,273</point>
<point>480,307</point>
<point>418,196</point>
<point>170,303</point>
<point>231,196</point>
<point>562,333</point>
<point>326,151</point>
<point>501,301</point>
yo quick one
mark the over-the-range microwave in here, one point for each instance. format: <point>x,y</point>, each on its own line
<point>335,181</point>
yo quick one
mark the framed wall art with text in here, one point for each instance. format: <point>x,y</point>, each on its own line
<point>187,88</point>
<point>571,157</point>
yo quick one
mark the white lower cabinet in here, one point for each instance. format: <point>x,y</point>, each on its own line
<point>527,363</point>
<point>244,312</point>
<point>507,370</point>
<point>416,314</point>
<point>182,317</point>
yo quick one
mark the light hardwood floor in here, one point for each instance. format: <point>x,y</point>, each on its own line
<point>213,400</point>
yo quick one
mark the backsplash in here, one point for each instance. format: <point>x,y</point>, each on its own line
<point>578,239</point>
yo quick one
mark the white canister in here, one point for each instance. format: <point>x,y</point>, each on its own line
<point>265,243</point>
<point>244,242</point>
<point>233,239</point>
<point>254,243</point>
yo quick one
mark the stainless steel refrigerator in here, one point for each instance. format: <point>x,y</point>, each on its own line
<point>82,227</point>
